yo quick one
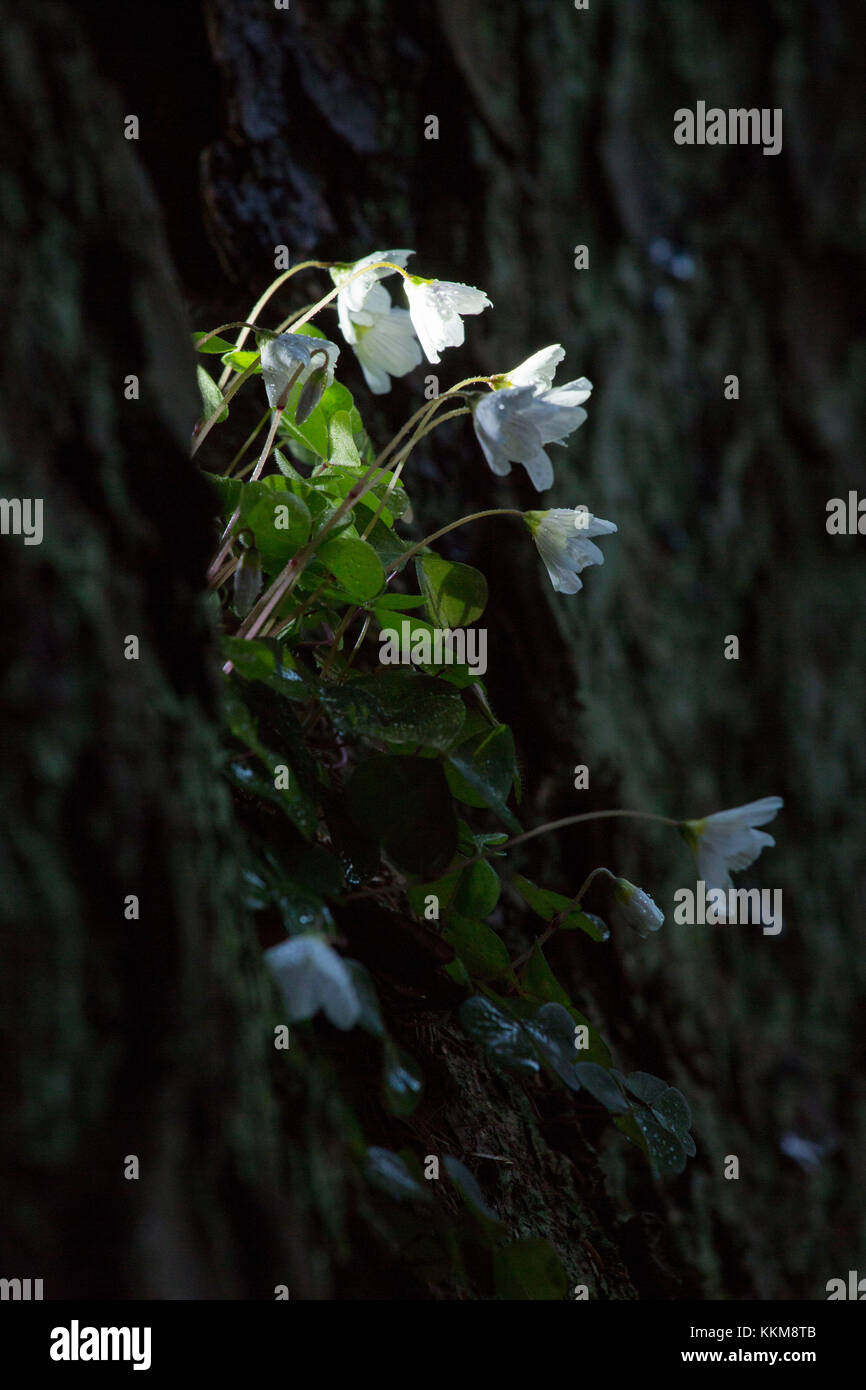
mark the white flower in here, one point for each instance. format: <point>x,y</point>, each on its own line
<point>381,336</point>
<point>436,306</point>
<point>563,540</point>
<point>385,346</point>
<point>728,841</point>
<point>638,908</point>
<point>312,976</point>
<point>364,291</point>
<point>525,412</point>
<point>282,356</point>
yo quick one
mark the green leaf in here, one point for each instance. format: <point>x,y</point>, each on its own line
<point>292,798</point>
<point>646,1087</point>
<point>402,1081</point>
<point>456,594</point>
<point>478,891</point>
<point>666,1154</point>
<point>242,359</point>
<point>539,983</point>
<point>355,564</point>
<point>301,910</point>
<point>211,396</point>
<point>215,345</point>
<point>314,434</point>
<point>529,1269</point>
<point>480,772</point>
<point>599,1082</point>
<point>288,470</point>
<point>396,705</point>
<point>399,602</point>
<point>388,1172</point>
<point>227,490</point>
<point>552,1031</point>
<point>503,1037</point>
<point>279,520</point>
<point>442,888</point>
<point>388,546</point>
<point>549,905</point>
<point>468,1185</point>
<point>252,660</point>
<point>672,1112</point>
<point>480,949</point>
<point>405,803</point>
<point>343,450</point>
<point>296,803</point>
<point>383,500</point>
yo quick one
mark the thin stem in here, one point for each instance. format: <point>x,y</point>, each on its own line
<point>242,450</point>
<point>587,815</point>
<point>236,323</point>
<point>285,582</point>
<point>556,922</point>
<point>452,526</point>
<point>332,294</point>
<point>262,301</point>
<point>226,539</point>
<point>344,623</point>
<point>211,421</point>
<point>357,647</point>
<point>395,478</point>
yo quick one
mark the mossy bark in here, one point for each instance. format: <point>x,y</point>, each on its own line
<point>153,1037</point>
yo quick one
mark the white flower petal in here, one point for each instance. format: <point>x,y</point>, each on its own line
<point>281,357</point>
<point>436,306</point>
<point>357,290</point>
<point>312,976</point>
<point>728,841</point>
<point>388,347</point>
<point>565,550</point>
<point>539,369</point>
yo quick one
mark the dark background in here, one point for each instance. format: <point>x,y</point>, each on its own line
<point>306,127</point>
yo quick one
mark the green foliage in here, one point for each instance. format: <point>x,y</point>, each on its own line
<point>553,906</point>
<point>356,780</point>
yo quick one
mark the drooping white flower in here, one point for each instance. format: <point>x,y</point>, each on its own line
<point>563,539</point>
<point>359,292</point>
<point>436,307</point>
<point>525,412</point>
<point>638,908</point>
<point>312,976</point>
<point>281,357</point>
<point>385,346</point>
<point>728,842</point>
<point>381,336</point>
